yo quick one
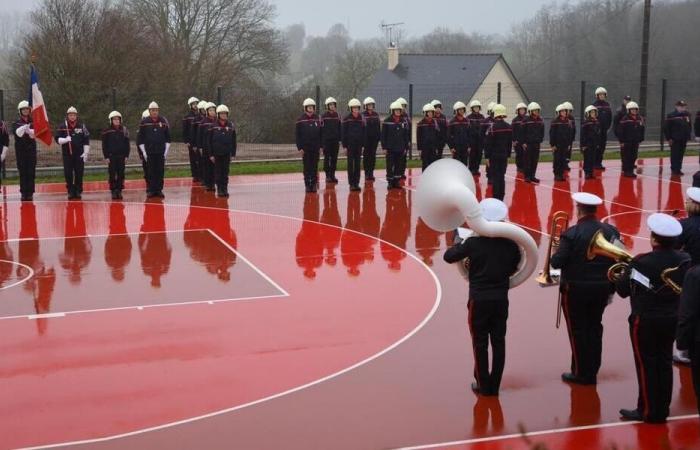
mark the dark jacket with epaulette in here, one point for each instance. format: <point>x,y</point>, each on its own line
<point>533,130</point>
<point>24,143</point>
<point>657,299</point>
<point>373,126</point>
<point>631,129</point>
<point>154,134</point>
<point>619,114</point>
<point>576,269</point>
<point>354,131</point>
<point>187,123</point>
<point>308,132</point>
<point>499,139</point>
<point>688,330</point>
<point>678,127</point>
<point>331,130</point>
<point>194,129</point>
<point>459,133</point>
<point>590,133</point>
<point>428,136</point>
<point>442,125</point>
<point>492,261</point>
<point>221,139</point>
<point>202,133</point>
<point>394,135</point>
<point>115,142</point>
<point>78,133</point>
<point>560,132</point>
<point>517,125</point>
<point>689,240</point>
<point>604,114</point>
<point>476,134</point>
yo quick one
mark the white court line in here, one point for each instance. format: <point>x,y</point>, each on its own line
<point>130,233</point>
<point>426,319</point>
<point>538,433</point>
<point>18,282</point>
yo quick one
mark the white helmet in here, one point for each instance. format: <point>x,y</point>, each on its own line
<point>632,105</point>
<point>211,105</point>
<point>72,110</point>
<point>588,109</point>
<point>499,111</point>
<point>330,100</point>
<point>153,105</point>
<point>354,103</point>
<point>534,106</point>
<point>369,101</point>
<point>192,100</point>
<point>428,108</point>
<point>144,114</point>
<point>222,109</point>
<point>520,105</point>
<point>474,103</point>
<point>561,107</point>
<point>601,90</point>
<point>458,106</point>
<point>436,103</point>
<point>490,106</point>
<point>309,102</point>
<point>114,114</point>
<point>396,105</point>
<point>568,106</point>
<point>23,104</point>
<point>402,101</point>
<point>202,104</point>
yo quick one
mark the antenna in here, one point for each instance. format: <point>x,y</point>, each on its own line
<point>389,32</point>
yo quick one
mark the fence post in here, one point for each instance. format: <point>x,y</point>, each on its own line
<point>318,99</point>
<point>219,95</point>
<point>583,100</point>
<point>114,99</point>
<point>662,119</point>
<point>498,93</point>
<point>410,119</point>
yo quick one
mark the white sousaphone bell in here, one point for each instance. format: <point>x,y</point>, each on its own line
<point>445,199</point>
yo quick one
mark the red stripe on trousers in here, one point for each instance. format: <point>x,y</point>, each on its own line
<point>642,375</point>
<point>572,340</point>
<point>471,332</point>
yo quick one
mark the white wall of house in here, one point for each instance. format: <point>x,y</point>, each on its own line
<point>511,95</point>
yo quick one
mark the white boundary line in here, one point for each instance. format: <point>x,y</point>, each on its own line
<point>283,292</point>
<point>538,433</point>
<point>426,319</point>
<point>16,283</point>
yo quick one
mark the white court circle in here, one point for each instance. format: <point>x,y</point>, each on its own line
<point>30,273</point>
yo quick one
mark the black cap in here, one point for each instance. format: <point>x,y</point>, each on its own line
<point>628,98</point>
<point>681,103</point>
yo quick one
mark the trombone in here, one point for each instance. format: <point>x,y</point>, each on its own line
<point>546,278</point>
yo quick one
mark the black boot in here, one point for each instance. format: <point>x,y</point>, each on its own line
<point>631,414</point>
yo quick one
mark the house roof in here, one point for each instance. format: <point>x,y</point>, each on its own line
<point>448,77</point>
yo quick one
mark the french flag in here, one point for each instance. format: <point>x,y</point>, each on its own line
<point>42,130</point>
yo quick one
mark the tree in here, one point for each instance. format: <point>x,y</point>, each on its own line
<point>356,67</point>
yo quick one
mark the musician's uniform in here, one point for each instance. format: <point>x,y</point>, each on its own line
<point>652,323</point>
<point>585,292</point>
<point>688,332</point>
<point>492,261</point>
<point>499,141</point>
<point>689,240</point>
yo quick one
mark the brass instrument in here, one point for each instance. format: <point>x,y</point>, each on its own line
<point>600,246</point>
<point>560,222</point>
<point>666,278</point>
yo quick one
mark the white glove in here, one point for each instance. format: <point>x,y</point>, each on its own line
<point>22,130</point>
<point>31,132</point>
<point>143,152</point>
<point>86,151</point>
<point>167,149</point>
<point>64,140</point>
<point>3,155</point>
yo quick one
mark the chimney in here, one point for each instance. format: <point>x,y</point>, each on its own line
<point>393,56</point>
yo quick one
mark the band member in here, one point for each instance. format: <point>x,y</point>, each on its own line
<point>604,121</point>
<point>688,332</point>
<point>154,142</point>
<point>442,122</point>
<point>476,138</point>
<point>485,127</point>
<point>533,134</point>
<point>115,149</point>
<point>653,319</point>
<point>428,136</point>
<point>585,288</point>
<point>308,140</point>
<point>518,139</point>
<point>499,140</point>
<point>677,130</point>
<point>202,142</point>
<point>590,141</point>
<point>409,131</point>
<point>394,142</point>
<point>25,150</point>
<point>187,125</point>
<point>74,139</point>
<point>559,140</point>
<point>492,261</point>
<point>630,132</point>
<point>331,135</point>
<point>354,136</point>
<point>4,144</point>
<point>373,127</point>
<point>221,147</point>
<point>458,134</point>
<point>619,114</point>
<point>689,240</point>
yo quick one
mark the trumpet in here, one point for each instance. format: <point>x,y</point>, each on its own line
<point>560,222</point>
<point>599,246</point>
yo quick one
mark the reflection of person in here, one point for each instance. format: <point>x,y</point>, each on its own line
<point>309,248</point>
<point>118,243</point>
<point>627,220</point>
<point>585,410</point>
<point>427,242</point>
<point>330,236</point>
<point>524,210</point>
<point>77,248</point>
<point>351,243</point>
<point>5,251</point>
<point>222,261</point>
<point>370,220</point>
<point>484,407</point>
<point>492,261</point>
<point>153,243</point>
<point>395,228</point>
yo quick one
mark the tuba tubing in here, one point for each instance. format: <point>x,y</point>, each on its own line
<point>445,199</point>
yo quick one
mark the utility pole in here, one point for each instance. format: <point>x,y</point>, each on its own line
<point>644,72</point>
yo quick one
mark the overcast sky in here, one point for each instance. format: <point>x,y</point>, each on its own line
<point>362,17</point>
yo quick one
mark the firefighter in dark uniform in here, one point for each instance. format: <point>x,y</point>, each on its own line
<point>115,149</point>
<point>373,127</point>
<point>689,240</point>
<point>517,125</point>
<point>25,150</point>
<point>584,288</point>
<point>221,147</point>
<point>202,133</point>
<point>533,135</point>
<point>604,121</point>
<point>308,140</point>
<point>559,135</point>
<point>654,317</point>
<point>428,136</point>
<point>696,129</point>
<point>331,136</point>
<point>572,136</point>
<point>499,140</point>
<point>187,126</point>
<point>409,131</point>
<point>154,143</point>
<point>4,144</point>
<point>458,134</point>
<point>354,136</point>
<point>619,114</point>
<point>476,138</point>
<point>492,261</point>
<point>590,141</point>
<point>688,332</point>
<point>630,132</point>
<point>677,131</point>
<point>194,133</point>
<point>142,157</point>
<point>485,127</point>
<point>74,139</point>
<point>394,143</point>
<point>442,122</point>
